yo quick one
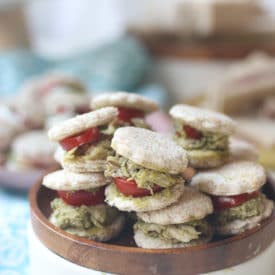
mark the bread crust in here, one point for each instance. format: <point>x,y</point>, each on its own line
<point>157,201</point>
<point>81,123</point>
<point>69,181</point>
<point>192,205</point>
<point>239,226</point>
<point>148,242</point>
<point>104,234</point>
<point>124,99</point>
<point>234,178</point>
<point>203,119</point>
<point>150,150</point>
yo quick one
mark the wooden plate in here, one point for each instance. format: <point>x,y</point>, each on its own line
<point>121,256</point>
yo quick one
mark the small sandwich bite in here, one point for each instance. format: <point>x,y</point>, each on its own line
<point>30,111</point>
<point>235,191</point>
<point>42,86</point>
<point>146,170</point>
<point>79,208</point>
<point>203,133</point>
<point>132,108</point>
<point>85,141</point>
<point>63,101</point>
<point>10,126</point>
<point>32,150</point>
<point>181,224</point>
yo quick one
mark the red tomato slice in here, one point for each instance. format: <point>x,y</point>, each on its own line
<point>192,132</point>
<point>129,188</point>
<point>126,114</point>
<point>221,203</point>
<point>82,197</point>
<point>91,135</point>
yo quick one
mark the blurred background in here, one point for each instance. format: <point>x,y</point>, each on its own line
<point>217,54</point>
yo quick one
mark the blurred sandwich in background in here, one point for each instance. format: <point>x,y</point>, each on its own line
<point>247,92</point>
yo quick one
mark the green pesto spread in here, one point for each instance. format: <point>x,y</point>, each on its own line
<point>208,141</point>
<point>118,166</point>
<point>98,151</point>
<point>82,217</point>
<point>174,233</point>
<point>250,208</point>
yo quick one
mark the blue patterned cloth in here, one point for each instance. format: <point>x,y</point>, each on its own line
<point>14,216</point>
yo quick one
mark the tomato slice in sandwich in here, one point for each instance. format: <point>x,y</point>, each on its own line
<point>130,188</point>
<point>90,135</point>
<point>191,132</point>
<point>225,202</point>
<point>83,197</point>
<point>126,114</point>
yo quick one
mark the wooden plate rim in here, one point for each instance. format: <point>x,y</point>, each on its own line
<point>38,216</point>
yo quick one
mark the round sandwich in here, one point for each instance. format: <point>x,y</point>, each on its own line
<point>79,208</point>
<point>40,87</point>
<point>146,170</point>
<point>11,125</point>
<point>84,140</point>
<point>235,191</point>
<point>32,150</point>
<point>181,224</point>
<point>203,133</point>
<point>48,95</point>
<point>62,101</point>
<point>132,108</point>
<point>30,111</point>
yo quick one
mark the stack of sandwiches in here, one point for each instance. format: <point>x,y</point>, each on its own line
<point>235,179</point>
<point>132,108</point>
<point>146,171</point>
<point>80,208</point>
<point>235,189</point>
<point>141,172</point>
<point>84,147</point>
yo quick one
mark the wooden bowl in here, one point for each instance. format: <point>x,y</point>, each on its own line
<point>121,256</point>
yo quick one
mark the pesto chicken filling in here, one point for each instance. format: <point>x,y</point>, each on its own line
<point>176,233</point>
<point>114,125</point>
<point>98,151</point>
<point>121,167</point>
<point>250,208</point>
<point>207,141</point>
<point>81,217</point>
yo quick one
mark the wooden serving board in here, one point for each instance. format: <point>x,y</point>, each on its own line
<point>121,256</point>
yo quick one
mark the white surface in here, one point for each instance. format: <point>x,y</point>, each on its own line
<point>45,262</point>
